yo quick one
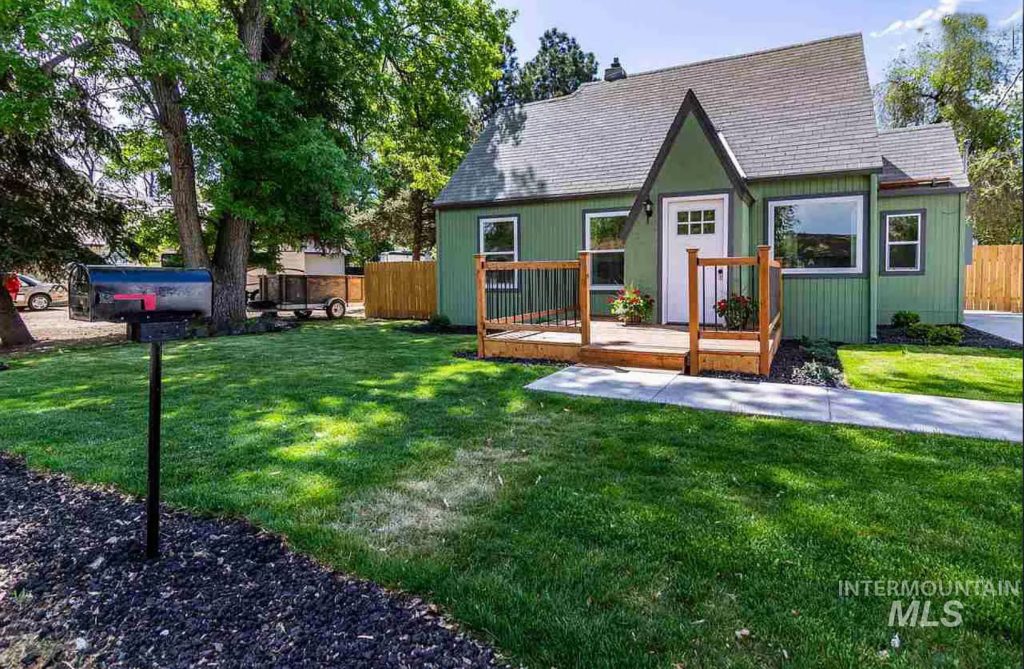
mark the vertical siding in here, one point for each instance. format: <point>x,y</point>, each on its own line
<point>692,166</point>
<point>835,308</point>
<point>936,294</point>
<point>548,231</point>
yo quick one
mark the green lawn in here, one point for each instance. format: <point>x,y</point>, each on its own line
<point>568,531</point>
<point>952,371</point>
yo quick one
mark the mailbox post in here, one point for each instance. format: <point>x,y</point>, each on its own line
<point>156,304</point>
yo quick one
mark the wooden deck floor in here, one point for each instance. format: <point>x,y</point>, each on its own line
<point>658,346</point>
<point>611,335</point>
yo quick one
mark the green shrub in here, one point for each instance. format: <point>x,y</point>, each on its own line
<point>814,373</point>
<point>945,335</point>
<point>440,322</point>
<point>902,319</point>
<point>920,331</point>
<point>818,349</point>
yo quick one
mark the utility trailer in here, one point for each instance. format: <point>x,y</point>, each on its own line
<point>302,294</point>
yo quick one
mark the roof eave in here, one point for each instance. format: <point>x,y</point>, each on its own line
<point>690,105</point>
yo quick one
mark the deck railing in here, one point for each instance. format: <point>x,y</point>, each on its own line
<point>735,298</point>
<point>533,295</point>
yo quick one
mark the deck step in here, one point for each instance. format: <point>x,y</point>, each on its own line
<point>600,355</point>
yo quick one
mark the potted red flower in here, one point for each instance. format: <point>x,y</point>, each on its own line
<point>737,310</point>
<point>631,306</point>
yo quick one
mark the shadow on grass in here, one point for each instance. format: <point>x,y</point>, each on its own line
<point>572,531</point>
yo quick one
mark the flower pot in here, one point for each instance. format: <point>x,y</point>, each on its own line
<point>632,320</point>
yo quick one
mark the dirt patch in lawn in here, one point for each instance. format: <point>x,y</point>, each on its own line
<point>76,591</point>
<point>413,514</point>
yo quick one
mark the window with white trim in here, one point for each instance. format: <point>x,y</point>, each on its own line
<point>903,237</point>
<point>499,241</point>
<point>603,236</point>
<point>818,235</point>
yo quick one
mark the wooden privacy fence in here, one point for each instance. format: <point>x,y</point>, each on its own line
<point>994,278</point>
<point>400,289</point>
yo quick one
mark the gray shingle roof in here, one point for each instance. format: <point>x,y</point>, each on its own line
<point>794,110</point>
<point>921,152</point>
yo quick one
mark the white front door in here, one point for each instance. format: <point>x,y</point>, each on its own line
<point>691,222</point>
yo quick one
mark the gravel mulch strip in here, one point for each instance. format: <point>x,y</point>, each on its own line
<point>888,334</point>
<point>76,591</point>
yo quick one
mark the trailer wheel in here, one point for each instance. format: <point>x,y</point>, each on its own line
<point>303,314</point>
<point>335,309</point>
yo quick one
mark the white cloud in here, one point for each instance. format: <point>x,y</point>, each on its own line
<point>1013,18</point>
<point>922,20</point>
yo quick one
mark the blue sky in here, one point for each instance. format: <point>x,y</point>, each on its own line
<point>648,34</point>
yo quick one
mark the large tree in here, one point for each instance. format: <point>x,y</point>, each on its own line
<point>435,75</point>
<point>968,75</point>
<point>559,68</point>
<point>49,210</point>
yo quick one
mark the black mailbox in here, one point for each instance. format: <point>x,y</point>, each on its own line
<point>155,302</point>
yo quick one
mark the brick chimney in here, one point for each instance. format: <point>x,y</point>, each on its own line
<point>615,72</point>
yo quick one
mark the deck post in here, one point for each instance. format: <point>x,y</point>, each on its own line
<point>764,303</point>
<point>584,298</point>
<point>480,261</point>
<point>694,311</point>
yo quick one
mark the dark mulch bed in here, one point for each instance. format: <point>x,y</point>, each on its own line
<point>76,591</point>
<point>888,334</point>
<point>788,367</point>
<point>427,328</point>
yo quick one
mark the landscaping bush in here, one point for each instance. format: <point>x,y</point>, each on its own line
<point>814,373</point>
<point>920,331</point>
<point>820,350</point>
<point>440,322</point>
<point>902,319</point>
<point>945,335</point>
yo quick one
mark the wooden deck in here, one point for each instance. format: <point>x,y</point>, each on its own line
<point>611,343</point>
<point>545,314</point>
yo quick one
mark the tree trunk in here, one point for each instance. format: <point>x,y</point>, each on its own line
<point>12,329</point>
<point>417,198</point>
<point>230,262</point>
<point>181,160</point>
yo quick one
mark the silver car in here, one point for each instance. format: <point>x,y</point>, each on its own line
<point>37,295</point>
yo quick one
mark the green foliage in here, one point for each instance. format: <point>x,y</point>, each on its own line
<point>820,350</point>
<point>956,78</point>
<point>817,373</point>
<point>631,305</point>
<point>440,322</point>
<point>996,197</point>
<point>967,77</point>
<point>945,335</point>
<point>48,209</point>
<point>504,91</point>
<point>920,331</point>
<point>737,310</point>
<point>558,69</point>
<point>902,319</point>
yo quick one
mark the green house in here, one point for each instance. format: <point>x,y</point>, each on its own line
<point>778,147</point>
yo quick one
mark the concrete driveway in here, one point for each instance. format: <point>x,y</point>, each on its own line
<point>998,323</point>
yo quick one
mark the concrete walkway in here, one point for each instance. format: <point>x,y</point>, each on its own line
<point>999,323</point>
<point>915,413</point>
